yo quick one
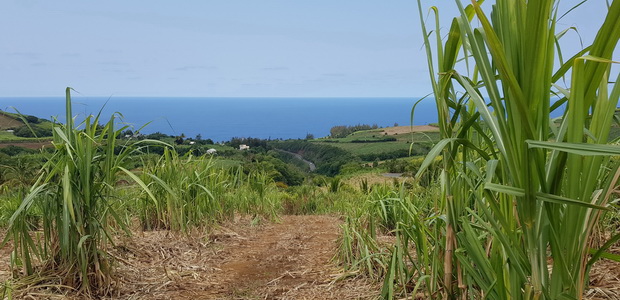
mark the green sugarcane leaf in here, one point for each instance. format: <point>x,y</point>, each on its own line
<point>577,148</point>
<point>607,255</point>
<point>519,192</point>
<point>141,183</point>
<point>430,157</point>
<point>563,200</point>
<point>509,190</point>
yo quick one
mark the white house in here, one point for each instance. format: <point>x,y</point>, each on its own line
<point>211,151</point>
<point>244,147</point>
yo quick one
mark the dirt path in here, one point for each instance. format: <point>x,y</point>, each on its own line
<point>286,260</point>
<point>290,260</point>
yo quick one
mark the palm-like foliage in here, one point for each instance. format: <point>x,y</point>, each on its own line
<point>521,193</point>
<point>74,192</point>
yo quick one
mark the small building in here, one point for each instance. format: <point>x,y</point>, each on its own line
<point>192,142</point>
<point>244,147</point>
<point>211,151</point>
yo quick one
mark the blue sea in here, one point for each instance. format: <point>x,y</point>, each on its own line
<point>221,119</point>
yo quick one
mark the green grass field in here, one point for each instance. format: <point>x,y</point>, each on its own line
<point>379,134</point>
<point>403,141</point>
<point>368,148</point>
<point>8,137</point>
<point>11,121</point>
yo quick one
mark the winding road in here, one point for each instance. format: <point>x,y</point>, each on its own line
<point>309,163</point>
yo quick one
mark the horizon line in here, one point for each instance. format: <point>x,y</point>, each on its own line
<point>217,97</point>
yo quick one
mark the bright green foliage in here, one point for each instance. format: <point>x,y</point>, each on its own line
<point>73,191</point>
<point>79,200</point>
<point>411,216</point>
<point>519,193</point>
<point>180,192</point>
<point>516,184</point>
<point>186,192</point>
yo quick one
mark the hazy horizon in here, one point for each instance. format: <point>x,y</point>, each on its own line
<point>271,48</point>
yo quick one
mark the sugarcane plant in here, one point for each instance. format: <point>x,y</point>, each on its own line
<point>73,192</point>
<point>521,192</point>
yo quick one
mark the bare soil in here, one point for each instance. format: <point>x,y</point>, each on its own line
<point>8,122</point>
<point>409,129</point>
<point>291,259</point>
<point>29,145</point>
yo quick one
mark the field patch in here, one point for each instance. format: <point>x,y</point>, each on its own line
<point>8,122</point>
<point>390,142</point>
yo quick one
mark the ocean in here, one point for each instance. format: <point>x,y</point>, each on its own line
<point>221,119</point>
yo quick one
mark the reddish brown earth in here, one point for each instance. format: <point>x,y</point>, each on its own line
<point>8,122</point>
<point>409,129</point>
<point>29,145</point>
<point>291,259</point>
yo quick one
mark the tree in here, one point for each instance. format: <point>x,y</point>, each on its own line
<point>33,119</point>
<point>179,139</point>
<point>32,131</point>
<point>127,133</point>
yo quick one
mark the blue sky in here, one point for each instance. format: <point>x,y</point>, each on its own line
<point>232,48</point>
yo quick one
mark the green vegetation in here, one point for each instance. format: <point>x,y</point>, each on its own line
<point>344,131</point>
<point>32,132</point>
<point>371,145</point>
<point>65,206</point>
<point>16,127</point>
<point>74,189</point>
<point>328,159</point>
<point>519,197</point>
<point>506,205</point>
<point>188,192</point>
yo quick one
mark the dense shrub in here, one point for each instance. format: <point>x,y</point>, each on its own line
<point>252,142</point>
<point>418,149</point>
<point>15,150</point>
<point>343,131</point>
<point>157,136</point>
<point>375,140</point>
<point>32,131</point>
<point>33,119</point>
<point>275,168</point>
<point>289,159</point>
<point>328,159</point>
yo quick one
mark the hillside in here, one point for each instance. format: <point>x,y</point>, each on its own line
<point>13,131</point>
<point>8,121</point>
<point>386,143</point>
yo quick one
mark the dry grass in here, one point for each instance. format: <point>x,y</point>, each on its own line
<point>374,179</point>
<point>409,129</point>
<point>287,260</point>
<point>8,122</point>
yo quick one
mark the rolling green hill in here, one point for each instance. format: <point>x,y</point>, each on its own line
<point>386,143</point>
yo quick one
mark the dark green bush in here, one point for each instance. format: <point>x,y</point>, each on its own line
<point>328,159</point>
<point>15,150</point>
<point>33,131</point>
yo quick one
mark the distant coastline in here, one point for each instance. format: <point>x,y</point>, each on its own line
<point>221,119</point>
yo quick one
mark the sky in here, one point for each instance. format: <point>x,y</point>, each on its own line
<point>227,48</point>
